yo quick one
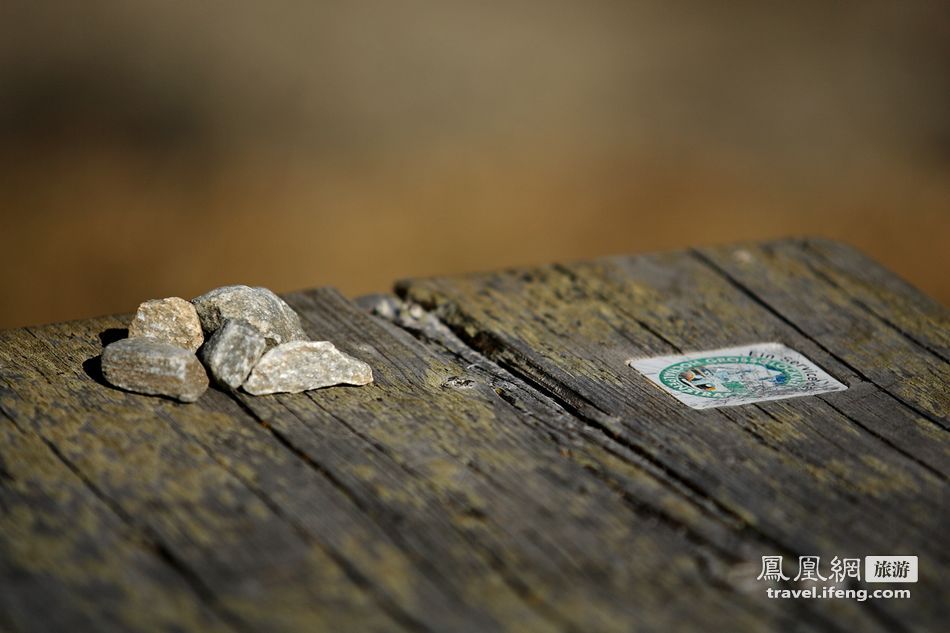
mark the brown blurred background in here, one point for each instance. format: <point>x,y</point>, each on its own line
<point>157,148</point>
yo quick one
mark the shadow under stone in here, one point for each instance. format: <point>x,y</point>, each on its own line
<point>112,335</point>
<point>93,366</point>
<point>93,369</point>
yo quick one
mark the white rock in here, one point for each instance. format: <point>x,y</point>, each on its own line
<point>304,365</point>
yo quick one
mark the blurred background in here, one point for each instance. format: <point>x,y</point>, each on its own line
<point>157,148</point>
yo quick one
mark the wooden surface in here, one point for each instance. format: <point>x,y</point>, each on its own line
<point>506,471</point>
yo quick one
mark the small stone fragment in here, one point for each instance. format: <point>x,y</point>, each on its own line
<point>232,352</point>
<point>304,365</point>
<point>260,307</point>
<point>147,365</point>
<point>172,320</point>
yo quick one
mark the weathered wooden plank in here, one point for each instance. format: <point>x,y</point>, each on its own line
<point>787,281</point>
<point>454,469</point>
<point>866,345</point>
<point>258,571</point>
<point>69,563</point>
<point>571,329</point>
<point>688,284</point>
<point>877,290</point>
<point>518,476</point>
<point>687,511</point>
<point>138,451</point>
<point>316,508</point>
<point>609,460</point>
<point>411,582</point>
<point>214,435</point>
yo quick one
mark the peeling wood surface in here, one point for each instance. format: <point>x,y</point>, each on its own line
<point>506,471</point>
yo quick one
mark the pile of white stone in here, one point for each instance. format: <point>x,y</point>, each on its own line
<point>245,338</point>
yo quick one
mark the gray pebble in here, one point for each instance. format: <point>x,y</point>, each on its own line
<point>260,307</point>
<point>172,320</point>
<point>305,365</point>
<point>147,365</point>
<point>232,352</point>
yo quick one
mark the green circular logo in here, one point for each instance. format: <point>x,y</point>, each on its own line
<point>724,376</point>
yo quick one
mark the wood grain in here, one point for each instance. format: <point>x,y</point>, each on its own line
<point>863,458</point>
<point>505,471</point>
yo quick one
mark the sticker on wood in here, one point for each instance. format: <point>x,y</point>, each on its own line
<point>736,375</point>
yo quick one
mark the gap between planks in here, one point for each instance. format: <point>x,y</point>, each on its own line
<point>738,285</point>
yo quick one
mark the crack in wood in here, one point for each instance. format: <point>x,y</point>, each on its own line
<point>478,311</point>
<point>507,469</point>
<point>472,343</point>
